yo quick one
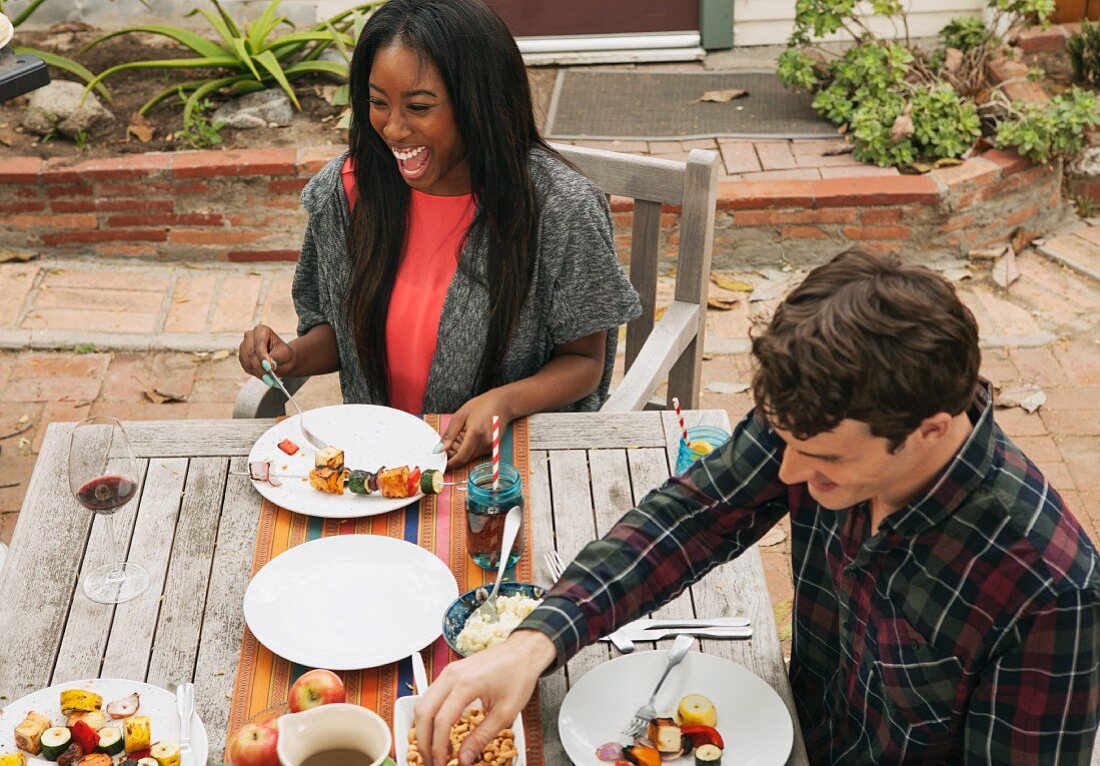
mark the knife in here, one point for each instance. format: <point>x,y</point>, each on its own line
<point>698,632</point>
<point>694,623</point>
<point>185,706</point>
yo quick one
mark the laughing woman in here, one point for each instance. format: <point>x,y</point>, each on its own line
<point>453,261</point>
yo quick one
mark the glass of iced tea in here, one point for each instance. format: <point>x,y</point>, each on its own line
<point>701,441</point>
<point>485,511</point>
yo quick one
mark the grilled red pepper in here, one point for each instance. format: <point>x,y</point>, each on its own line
<point>85,736</point>
<point>414,481</point>
<point>700,734</point>
<point>287,446</point>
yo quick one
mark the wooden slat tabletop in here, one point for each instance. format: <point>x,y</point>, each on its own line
<point>194,527</point>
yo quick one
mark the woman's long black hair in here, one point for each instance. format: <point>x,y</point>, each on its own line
<point>484,74</point>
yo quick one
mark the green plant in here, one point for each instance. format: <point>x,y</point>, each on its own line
<point>80,138</point>
<point>247,57</point>
<point>1084,53</point>
<point>1056,128</point>
<point>83,348</point>
<point>902,106</point>
<point>60,62</point>
<point>199,131</point>
<point>965,33</point>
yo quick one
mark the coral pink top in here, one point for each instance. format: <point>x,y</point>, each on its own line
<point>433,244</point>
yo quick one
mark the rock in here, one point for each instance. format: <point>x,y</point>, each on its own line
<point>1089,163</point>
<point>57,107</point>
<point>265,108</point>
<point>335,56</point>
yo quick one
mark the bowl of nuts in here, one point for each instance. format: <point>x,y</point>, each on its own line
<point>508,747</point>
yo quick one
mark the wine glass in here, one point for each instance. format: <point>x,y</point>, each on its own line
<point>103,476</point>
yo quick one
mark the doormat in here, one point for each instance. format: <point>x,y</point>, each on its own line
<point>643,105</point>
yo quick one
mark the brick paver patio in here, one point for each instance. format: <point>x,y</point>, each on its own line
<point>173,328</point>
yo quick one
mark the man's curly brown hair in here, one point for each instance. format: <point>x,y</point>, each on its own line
<point>870,338</point>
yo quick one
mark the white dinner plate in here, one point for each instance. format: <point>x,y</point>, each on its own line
<point>752,719</point>
<point>349,602</point>
<point>403,721</point>
<point>370,436</point>
<point>157,703</point>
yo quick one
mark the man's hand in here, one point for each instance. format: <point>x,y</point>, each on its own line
<point>503,677</point>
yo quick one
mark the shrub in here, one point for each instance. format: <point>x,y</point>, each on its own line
<point>901,105</point>
<point>246,57</point>
<point>1084,53</point>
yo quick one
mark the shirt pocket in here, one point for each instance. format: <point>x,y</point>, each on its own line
<point>920,684</point>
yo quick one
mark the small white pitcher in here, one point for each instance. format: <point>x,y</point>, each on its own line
<point>330,727</point>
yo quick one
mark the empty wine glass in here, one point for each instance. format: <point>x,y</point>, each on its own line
<point>103,476</point>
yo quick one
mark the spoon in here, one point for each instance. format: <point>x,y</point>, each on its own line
<point>511,528</point>
<point>420,673</point>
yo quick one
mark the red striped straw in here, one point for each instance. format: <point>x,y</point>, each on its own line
<point>680,415</point>
<point>496,453</point>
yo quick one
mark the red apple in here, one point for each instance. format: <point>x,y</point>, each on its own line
<point>313,688</point>
<point>254,745</point>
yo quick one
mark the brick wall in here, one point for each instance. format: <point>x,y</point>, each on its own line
<point>944,214</point>
<point>243,206</point>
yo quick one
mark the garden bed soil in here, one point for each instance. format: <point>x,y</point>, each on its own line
<point>314,125</point>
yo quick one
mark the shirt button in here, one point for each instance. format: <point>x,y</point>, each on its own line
<point>852,574</point>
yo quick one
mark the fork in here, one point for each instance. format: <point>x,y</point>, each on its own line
<point>648,712</point>
<point>269,368</point>
<point>185,705</point>
<point>556,567</point>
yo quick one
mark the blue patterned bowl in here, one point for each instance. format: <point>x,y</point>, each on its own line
<point>454,619</point>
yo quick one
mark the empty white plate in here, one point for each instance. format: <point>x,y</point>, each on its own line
<point>752,719</point>
<point>349,602</point>
<point>370,436</point>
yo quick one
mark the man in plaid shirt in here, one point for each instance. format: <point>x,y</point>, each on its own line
<point>947,603</point>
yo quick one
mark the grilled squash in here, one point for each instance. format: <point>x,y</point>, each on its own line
<point>79,701</point>
<point>136,733</point>
<point>13,759</point>
<point>165,753</point>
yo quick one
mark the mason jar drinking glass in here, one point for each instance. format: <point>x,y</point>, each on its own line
<point>702,440</point>
<point>485,511</point>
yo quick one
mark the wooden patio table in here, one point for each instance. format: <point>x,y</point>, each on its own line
<point>195,529</point>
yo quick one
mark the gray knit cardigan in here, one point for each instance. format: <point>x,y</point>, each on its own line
<point>577,288</point>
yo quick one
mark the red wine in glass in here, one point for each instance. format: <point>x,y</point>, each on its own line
<point>103,477</point>
<point>106,494</point>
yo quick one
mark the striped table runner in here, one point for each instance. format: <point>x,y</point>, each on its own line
<point>436,524</point>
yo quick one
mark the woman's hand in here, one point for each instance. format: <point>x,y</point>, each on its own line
<point>262,343</point>
<point>470,432</point>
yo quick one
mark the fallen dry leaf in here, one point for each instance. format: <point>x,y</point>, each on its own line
<point>1005,271</point>
<point>844,148</point>
<point>721,304</point>
<point>156,396</point>
<point>8,255</point>
<point>902,127</point>
<point>1021,238</point>
<point>140,128</point>
<point>217,356</point>
<point>986,253</point>
<point>729,283</point>
<point>720,96</point>
<point>947,162</point>
<point>1027,397</point>
<point>952,59</point>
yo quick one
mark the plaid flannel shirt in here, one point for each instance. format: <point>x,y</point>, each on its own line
<point>965,630</point>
